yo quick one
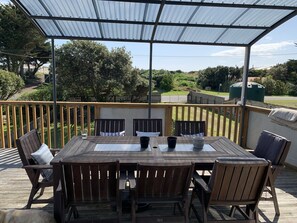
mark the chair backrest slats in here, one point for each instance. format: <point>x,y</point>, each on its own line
<point>109,125</point>
<point>157,181</point>
<point>90,182</point>
<point>272,147</point>
<point>147,125</point>
<point>241,181</point>
<point>190,128</point>
<point>26,145</point>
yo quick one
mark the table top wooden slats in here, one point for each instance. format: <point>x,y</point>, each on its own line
<point>84,150</point>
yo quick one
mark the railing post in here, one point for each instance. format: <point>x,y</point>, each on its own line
<point>244,91</point>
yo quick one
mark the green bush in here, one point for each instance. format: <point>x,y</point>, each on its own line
<point>10,84</point>
<point>43,93</point>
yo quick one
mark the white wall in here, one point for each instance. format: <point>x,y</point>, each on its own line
<point>132,113</point>
<point>259,122</point>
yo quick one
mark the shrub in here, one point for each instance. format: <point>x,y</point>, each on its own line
<point>10,84</point>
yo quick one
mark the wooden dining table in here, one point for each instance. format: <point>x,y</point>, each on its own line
<point>127,150</point>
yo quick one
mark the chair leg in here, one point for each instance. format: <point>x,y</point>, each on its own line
<point>186,210</point>
<point>273,193</point>
<point>232,211</point>
<point>133,209</point>
<point>31,197</point>
<point>41,191</point>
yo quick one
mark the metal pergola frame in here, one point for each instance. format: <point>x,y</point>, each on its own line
<point>195,6</point>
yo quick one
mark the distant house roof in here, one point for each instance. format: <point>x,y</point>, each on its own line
<point>210,22</point>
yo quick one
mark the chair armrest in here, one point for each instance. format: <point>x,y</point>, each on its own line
<point>38,167</point>
<point>199,182</point>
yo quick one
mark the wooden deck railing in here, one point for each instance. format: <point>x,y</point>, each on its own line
<point>18,117</point>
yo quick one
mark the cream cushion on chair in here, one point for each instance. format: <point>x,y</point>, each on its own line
<point>147,133</point>
<point>43,156</point>
<point>122,133</point>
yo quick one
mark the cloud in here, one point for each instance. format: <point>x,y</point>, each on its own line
<point>267,49</point>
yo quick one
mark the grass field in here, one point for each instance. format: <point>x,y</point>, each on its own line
<point>287,103</point>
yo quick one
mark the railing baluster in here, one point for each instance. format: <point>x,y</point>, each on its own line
<point>236,125</point>
<point>89,119</point>
<point>212,120</point>
<point>48,120</point>
<point>14,121</point>
<point>230,123</point>
<point>207,120</point>
<point>68,122</point>
<point>62,124</point>
<point>8,126</point>
<point>34,117</point>
<point>195,113</point>
<point>27,118</point>
<point>219,121</point>
<point>82,117</point>
<point>2,127</point>
<point>75,120</point>
<point>21,120</point>
<point>224,121</point>
<point>41,123</point>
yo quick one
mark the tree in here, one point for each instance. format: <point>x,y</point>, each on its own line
<point>20,41</point>
<point>167,82</point>
<point>87,69</point>
<point>215,76</point>
<point>10,84</point>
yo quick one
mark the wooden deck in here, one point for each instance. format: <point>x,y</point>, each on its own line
<point>15,188</point>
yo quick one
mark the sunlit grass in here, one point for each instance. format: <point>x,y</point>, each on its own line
<point>286,103</point>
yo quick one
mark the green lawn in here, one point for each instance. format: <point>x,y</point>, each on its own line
<point>288,103</point>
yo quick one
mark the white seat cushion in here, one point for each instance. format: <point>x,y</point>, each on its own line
<point>43,156</point>
<point>147,133</point>
<point>122,133</point>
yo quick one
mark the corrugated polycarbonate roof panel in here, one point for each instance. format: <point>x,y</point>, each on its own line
<point>121,31</point>
<point>218,22</point>
<point>237,36</point>
<point>205,35</point>
<point>168,33</point>
<point>80,29</point>
<point>34,7</point>
<point>121,10</point>
<point>217,15</point>
<point>175,14</point>
<point>279,2</point>
<point>261,17</point>
<point>49,27</point>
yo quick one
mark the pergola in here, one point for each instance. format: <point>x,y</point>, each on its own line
<point>198,22</point>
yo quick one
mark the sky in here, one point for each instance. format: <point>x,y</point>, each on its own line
<point>274,48</point>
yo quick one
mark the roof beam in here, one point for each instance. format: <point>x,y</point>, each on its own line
<point>157,20</point>
<point>147,41</point>
<point>98,17</point>
<point>148,23</point>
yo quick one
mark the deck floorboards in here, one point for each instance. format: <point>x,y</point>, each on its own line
<point>15,188</point>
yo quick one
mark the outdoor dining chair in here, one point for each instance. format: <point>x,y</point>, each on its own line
<point>275,148</point>
<point>27,145</point>
<point>109,127</point>
<point>160,183</point>
<point>88,182</point>
<point>234,182</point>
<point>190,128</point>
<point>149,127</point>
